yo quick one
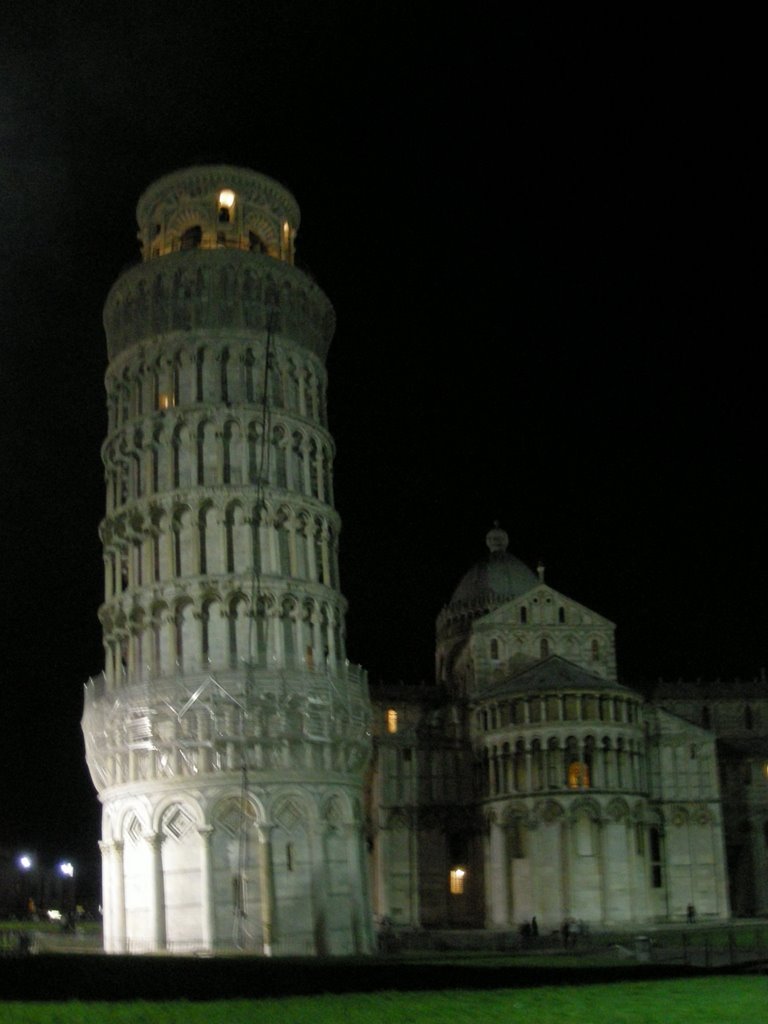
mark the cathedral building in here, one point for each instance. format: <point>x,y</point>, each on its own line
<point>228,735</point>
<point>530,782</point>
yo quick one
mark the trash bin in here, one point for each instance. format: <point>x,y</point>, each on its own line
<point>642,949</point>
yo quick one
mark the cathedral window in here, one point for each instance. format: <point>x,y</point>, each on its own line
<point>595,651</point>
<point>578,775</point>
<point>457,881</point>
<point>523,615</point>
<point>494,650</point>
<point>654,838</point>
<point>561,615</point>
<point>391,720</point>
<point>544,648</point>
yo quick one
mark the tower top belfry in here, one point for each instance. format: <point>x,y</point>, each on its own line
<point>217,207</point>
<point>217,247</point>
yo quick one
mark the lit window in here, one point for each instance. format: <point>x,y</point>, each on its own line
<point>457,881</point>
<point>391,720</point>
<point>226,202</point>
<point>164,400</point>
<point>578,775</point>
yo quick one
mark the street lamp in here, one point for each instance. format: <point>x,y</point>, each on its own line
<point>67,870</point>
<point>28,896</point>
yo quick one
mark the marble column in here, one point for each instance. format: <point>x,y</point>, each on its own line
<point>208,922</point>
<point>266,891</point>
<point>156,892</point>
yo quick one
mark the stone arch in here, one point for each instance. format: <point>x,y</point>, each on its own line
<point>232,808</point>
<point>232,468</point>
<point>184,542</point>
<point>290,810</point>
<point>213,632</point>
<point>187,652</point>
<point>549,811</point>
<point>258,454</point>
<point>190,805</point>
<point>298,464</point>
<point>679,815</point>
<point>586,806</point>
<point>237,554</point>
<point>181,462</point>
<point>618,810</point>
<point>206,458</point>
<point>279,456</point>
<point>283,526</point>
<point>262,236</point>
<point>134,817</point>
<point>239,629</point>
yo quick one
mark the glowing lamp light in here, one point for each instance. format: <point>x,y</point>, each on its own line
<point>25,862</point>
<point>67,869</point>
<point>227,198</point>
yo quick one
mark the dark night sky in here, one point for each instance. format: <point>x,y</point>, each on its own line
<point>540,237</point>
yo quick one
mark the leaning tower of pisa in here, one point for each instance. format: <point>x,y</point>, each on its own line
<point>228,734</point>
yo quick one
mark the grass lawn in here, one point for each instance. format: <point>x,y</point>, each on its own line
<point>701,1000</point>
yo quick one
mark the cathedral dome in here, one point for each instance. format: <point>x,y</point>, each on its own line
<point>498,577</point>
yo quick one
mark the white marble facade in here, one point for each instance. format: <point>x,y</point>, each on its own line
<point>530,782</point>
<point>228,735</point>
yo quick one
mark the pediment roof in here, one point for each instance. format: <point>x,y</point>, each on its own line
<point>502,616</point>
<point>553,675</point>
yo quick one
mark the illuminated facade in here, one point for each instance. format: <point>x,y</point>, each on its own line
<point>228,735</point>
<point>736,711</point>
<point>530,782</point>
